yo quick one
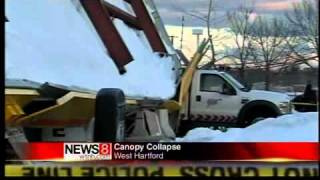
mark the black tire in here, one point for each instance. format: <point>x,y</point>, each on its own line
<point>252,115</point>
<point>109,124</point>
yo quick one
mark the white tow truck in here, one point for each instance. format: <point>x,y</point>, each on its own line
<point>218,99</point>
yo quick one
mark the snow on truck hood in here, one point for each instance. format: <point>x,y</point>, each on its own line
<point>267,95</point>
<point>54,41</point>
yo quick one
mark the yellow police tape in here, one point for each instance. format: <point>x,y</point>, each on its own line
<point>158,170</point>
<point>305,104</point>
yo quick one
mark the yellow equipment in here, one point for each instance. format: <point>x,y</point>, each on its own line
<point>186,79</point>
<point>72,109</point>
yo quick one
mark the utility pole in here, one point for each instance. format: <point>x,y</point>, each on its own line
<point>181,38</point>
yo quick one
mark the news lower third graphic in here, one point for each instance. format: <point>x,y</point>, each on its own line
<point>98,151</point>
<point>143,151</point>
<point>166,159</point>
<point>105,151</point>
<point>59,151</point>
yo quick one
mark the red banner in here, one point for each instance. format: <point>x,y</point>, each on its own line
<point>298,151</point>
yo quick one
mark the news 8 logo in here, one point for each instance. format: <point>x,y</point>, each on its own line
<point>87,151</point>
<point>105,148</point>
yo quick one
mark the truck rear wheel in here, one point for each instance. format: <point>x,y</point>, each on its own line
<point>109,124</point>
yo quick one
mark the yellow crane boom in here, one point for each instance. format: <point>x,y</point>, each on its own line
<point>186,79</point>
<point>187,76</point>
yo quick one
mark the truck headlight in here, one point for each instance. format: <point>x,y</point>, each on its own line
<point>285,107</point>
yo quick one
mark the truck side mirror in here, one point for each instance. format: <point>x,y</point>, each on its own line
<point>247,85</point>
<point>230,92</point>
<point>227,90</point>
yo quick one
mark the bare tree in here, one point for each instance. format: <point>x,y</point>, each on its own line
<point>304,19</point>
<point>208,22</point>
<point>240,27</point>
<point>208,19</point>
<point>269,46</point>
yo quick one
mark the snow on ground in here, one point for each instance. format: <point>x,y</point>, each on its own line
<point>296,127</point>
<point>54,41</point>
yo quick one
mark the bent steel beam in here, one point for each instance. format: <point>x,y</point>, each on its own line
<point>124,16</point>
<point>147,25</point>
<point>108,33</point>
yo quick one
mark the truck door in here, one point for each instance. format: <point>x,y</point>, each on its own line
<point>213,98</point>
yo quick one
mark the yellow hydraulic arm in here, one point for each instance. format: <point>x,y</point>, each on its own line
<point>187,78</point>
<point>188,75</point>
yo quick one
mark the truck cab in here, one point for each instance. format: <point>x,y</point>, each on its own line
<point>217,98</point>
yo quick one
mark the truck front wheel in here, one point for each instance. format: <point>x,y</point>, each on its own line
<point>256,114</point>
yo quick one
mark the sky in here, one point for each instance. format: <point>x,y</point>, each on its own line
<point>172,11</point>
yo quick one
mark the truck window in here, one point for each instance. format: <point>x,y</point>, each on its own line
<point>211,83</point>
<point>233,80</point>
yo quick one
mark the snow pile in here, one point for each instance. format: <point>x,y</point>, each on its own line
<point>54,41</point>
<point>297,127</point>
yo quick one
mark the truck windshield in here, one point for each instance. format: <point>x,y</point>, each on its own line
<point>234,82</point>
